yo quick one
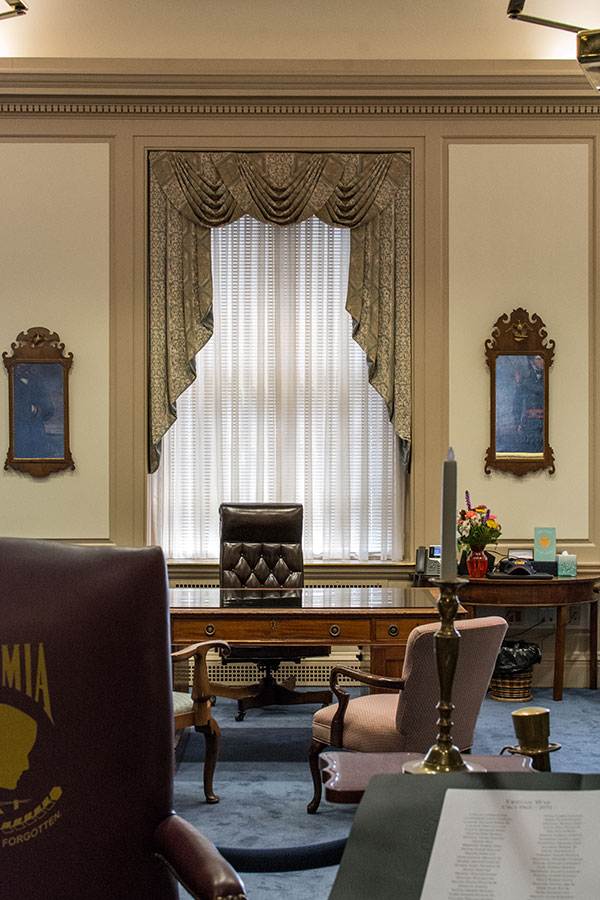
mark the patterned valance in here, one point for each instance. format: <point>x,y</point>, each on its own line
<point>192,192</point>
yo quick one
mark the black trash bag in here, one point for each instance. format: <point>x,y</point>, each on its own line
<point>516,657</point>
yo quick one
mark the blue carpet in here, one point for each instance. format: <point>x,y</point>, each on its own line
<point>574,723</point>
<point>264,782</point>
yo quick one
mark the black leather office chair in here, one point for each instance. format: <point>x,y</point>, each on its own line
<point>261,548</point>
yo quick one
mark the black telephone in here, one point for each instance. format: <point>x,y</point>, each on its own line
<point>427,563</point>
<point>421,560</point>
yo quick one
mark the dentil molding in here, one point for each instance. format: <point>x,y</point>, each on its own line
<point>402,110</point>
<point>295,88</point>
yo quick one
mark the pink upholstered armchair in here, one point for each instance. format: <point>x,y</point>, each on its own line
<point>86,731</point>
<point>405,720</point>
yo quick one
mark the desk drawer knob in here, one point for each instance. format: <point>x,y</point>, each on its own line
<point>209,629</point>
<point>334,630</point>
<point>393,631</point>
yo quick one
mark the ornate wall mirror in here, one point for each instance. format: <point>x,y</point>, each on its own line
<point>38,404</point>
<point>519,355</point>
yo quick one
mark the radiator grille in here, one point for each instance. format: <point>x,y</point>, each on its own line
<point>307,673</point>
<point>314,671</point>
<point>214,584</point>
<point>354,584</point>
<point>195,584</point>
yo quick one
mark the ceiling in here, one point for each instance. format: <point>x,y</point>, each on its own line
<point>292,29</point>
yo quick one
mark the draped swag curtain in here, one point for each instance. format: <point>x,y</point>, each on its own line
<point>192,192</point>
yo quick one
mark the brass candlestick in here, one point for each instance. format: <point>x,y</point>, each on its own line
<point>443,756</point>
<point>532,728</point>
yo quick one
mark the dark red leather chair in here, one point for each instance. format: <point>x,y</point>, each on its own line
<point>86,731</point>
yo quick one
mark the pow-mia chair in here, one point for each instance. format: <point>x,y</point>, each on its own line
<point>261,549</point>
<point>86,731</point>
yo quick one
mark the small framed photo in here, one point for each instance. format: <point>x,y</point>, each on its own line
<point>38,405</point>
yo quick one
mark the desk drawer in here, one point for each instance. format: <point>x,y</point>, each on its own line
<point>280,630</point>
<point>398,630</point>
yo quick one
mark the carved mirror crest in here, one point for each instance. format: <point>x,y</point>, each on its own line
<point>519,355</point>
<point>38,403</point>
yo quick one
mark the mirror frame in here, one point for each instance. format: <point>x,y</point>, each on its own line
<point>523,337</point>
<point>39,347</point>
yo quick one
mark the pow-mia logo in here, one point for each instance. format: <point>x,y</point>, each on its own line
<point>28,802</point>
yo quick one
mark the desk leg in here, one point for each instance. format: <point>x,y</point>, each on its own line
<point>559,651</point>
<point>594,645</point>
<point>386,660</point>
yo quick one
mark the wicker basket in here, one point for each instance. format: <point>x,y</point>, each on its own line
<point>513,687</point>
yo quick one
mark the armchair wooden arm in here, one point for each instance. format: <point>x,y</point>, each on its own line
<point>379,681</point>
<point>201,686</point>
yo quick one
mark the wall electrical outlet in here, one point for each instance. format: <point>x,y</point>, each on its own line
<point>513,615</point>
<point>547,615</point>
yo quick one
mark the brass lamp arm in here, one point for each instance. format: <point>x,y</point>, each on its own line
<point>18,9</point>
<point>514,11</point>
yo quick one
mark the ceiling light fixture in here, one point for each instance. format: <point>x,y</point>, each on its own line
<point>588,42</point>
<point>18,8</point>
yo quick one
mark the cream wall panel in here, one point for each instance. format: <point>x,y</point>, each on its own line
<point>518,236</point>
<point>55,272</point>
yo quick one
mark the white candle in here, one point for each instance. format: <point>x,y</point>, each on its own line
<point>449,518</point>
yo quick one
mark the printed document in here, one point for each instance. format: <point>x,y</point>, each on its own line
<point>526,845</point>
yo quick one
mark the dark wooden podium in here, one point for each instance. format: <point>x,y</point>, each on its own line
<point>392,835</point>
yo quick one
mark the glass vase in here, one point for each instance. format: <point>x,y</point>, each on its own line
<point>477,562</point>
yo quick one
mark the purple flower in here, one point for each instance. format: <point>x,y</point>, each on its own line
<point>468,500</point>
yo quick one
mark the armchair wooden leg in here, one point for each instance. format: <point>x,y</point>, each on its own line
<point>212,737</point>
<point>313,760</point>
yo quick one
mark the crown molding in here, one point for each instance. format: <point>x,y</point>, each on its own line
<point>295,87</point>
<point>264,79</point>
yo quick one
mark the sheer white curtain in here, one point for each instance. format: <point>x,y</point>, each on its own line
<point>281,409</point>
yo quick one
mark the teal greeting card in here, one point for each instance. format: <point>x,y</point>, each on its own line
<point>544,544</point>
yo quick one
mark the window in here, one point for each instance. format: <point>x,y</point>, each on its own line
<point>281,409</point>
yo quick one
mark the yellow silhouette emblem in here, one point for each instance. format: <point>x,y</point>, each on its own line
<point>18,732</point>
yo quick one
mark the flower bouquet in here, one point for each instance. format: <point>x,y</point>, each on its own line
<point>476,528</point>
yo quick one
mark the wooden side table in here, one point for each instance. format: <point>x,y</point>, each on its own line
<point>557,592</point>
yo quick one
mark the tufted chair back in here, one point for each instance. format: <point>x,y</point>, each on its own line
<point>261,549</point>
<point>261,545</point>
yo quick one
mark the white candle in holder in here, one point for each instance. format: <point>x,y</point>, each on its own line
<point>449,518</point>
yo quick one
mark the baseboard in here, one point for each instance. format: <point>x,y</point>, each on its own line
<point>577,673</point>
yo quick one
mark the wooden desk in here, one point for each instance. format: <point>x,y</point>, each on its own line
<point>557,592</point>
<point>379,617</point>
<point>346,775</point>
